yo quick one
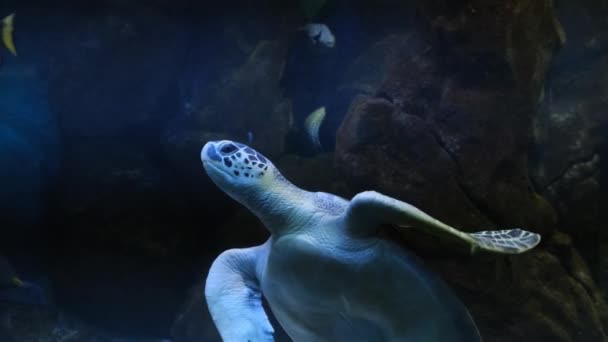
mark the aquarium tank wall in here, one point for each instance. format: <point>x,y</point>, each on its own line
<point>305,170</point>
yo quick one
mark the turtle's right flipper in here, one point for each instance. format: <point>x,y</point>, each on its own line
<point>234,298</point>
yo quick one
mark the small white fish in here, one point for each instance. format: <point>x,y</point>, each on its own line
<point>320,34</point>
<point>7,33</point>
<point>249,138</point>
<point>313,123</point>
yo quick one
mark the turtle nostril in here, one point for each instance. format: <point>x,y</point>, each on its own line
<point>212,153</point>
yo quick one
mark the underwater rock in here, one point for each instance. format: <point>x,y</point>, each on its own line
<point>585,29</point>
<point>544,295</point>
<point>397,154</point>
<point>250,99</point>
<point>566,164</point>
<point>230,86</point>
<point>473,95</point>
<point>472,101</point>
<point>221,40</point>
<point>568,129</point>
<point>416,166</point>
<point>495,43</point>
<point>576,196</point>
<point>366,72</point>
<point>448,130</point>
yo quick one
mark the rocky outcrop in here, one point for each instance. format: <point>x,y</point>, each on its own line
<point>250,100</point>
<point>569,128</point>
<point>468,99</point>
<point>585,30</point>
<point>448,130</point>
<point>545,295</point>
<point>365,73</point>
<point>570,131</point>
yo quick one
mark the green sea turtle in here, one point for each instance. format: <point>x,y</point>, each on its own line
<point>326,272</point>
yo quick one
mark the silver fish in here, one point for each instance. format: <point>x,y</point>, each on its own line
<point>320,34</point>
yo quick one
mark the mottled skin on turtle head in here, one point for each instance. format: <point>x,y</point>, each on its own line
<point>239,164</point>
<point>253,180</point>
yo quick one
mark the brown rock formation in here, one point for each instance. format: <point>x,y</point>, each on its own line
<point>449,131</point>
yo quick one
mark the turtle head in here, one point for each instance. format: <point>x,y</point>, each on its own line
<point>236,168</point>
<point>252,180</point>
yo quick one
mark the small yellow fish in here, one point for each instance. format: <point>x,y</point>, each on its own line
<point>313,123</point>
<point>17,282</point>
<point>7,33</point>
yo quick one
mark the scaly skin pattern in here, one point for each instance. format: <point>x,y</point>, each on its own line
<point>322,281</point>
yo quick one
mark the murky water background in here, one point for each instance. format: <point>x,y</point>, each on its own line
<point>485,114</point>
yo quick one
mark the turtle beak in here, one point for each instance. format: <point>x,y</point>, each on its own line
<point>209,152</point>
<point>17,282</point>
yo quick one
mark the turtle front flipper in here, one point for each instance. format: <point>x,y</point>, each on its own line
<point>369,209</point>
<point>234,299</point>
<point>510,241</point>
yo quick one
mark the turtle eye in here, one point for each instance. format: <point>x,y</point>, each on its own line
<point>228,148</point>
